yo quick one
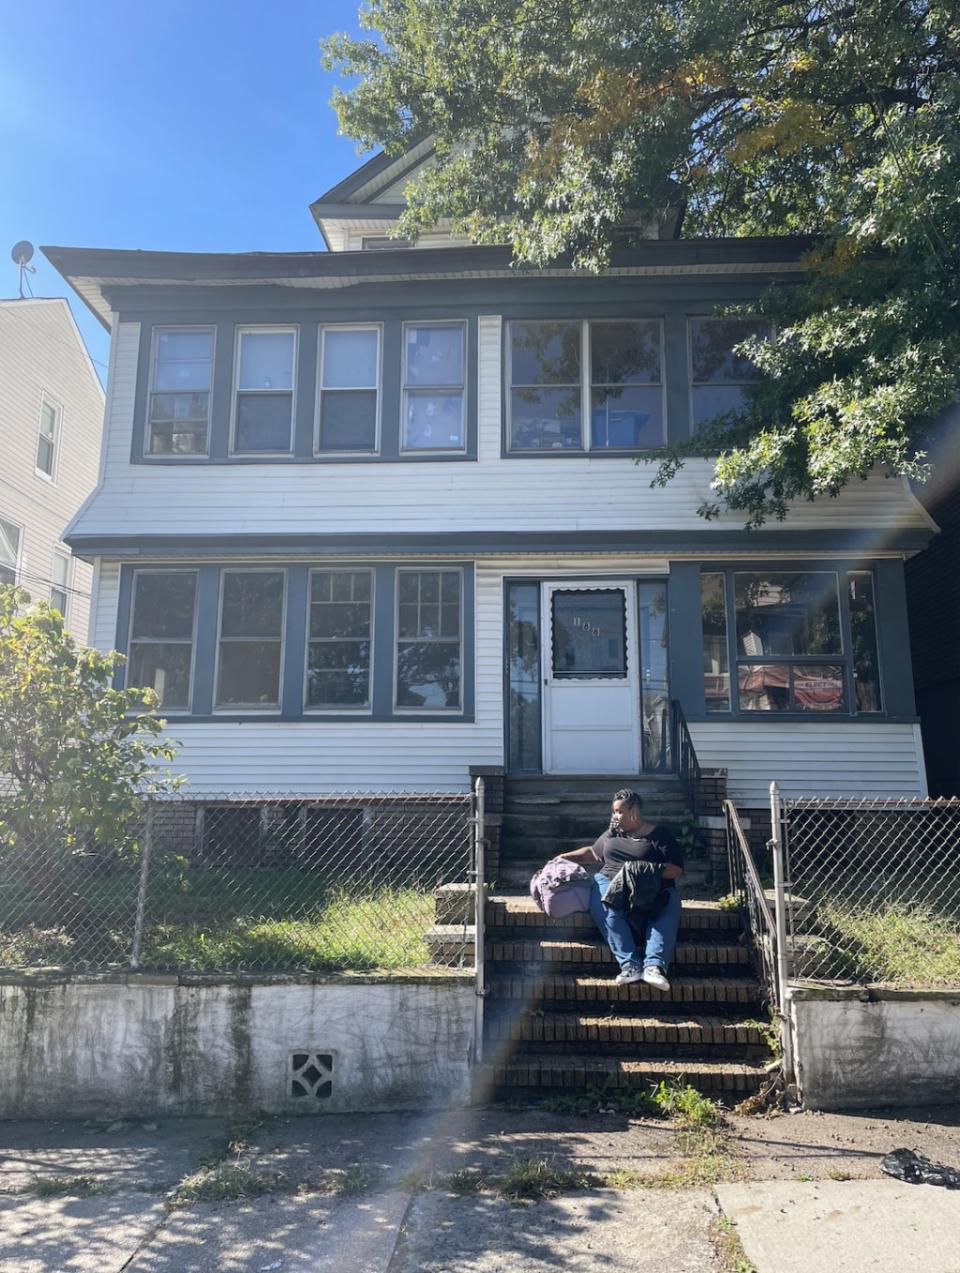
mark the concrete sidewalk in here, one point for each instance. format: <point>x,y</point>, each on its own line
<point>374,1194</point>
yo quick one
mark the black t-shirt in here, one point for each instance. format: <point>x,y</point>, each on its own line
<point>658,845</point>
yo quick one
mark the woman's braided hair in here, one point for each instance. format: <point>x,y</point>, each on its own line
<point>630,800</point>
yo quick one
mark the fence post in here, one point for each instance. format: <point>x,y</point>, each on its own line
<point>142,890</point>
<point>479,901</point>
<point>780,917</point>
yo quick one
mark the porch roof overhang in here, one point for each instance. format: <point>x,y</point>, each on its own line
<point>95,273</point>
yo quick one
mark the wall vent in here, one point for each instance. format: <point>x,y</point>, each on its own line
<point>311,1075</point>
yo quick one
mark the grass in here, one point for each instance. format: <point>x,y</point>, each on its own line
<point>910,945</point>
<point>729,1248</point>
<point>226,1182</point>
<point>207,920</point>
<point>66,1186</point>
<point>529,1179</point>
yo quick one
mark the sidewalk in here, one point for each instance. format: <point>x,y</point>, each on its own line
<point>399,1194</point>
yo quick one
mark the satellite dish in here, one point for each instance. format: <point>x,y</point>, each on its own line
<point>21,252</point>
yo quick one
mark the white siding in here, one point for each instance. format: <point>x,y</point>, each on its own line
<point>547,494</point>
<point>815,758</point>
<point>41,354</point>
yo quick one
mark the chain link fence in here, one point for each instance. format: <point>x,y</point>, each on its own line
<point>250,883</point>
<point>873,890</point>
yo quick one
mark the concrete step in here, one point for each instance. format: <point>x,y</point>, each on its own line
<point>690,1034</point>
<point>559,988</point>
<point>715,956</point>
<point>451,945</point>
<point>538,1074</point>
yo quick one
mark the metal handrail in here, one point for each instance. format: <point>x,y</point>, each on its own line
<point>480,904</point>
<point>685,762</point>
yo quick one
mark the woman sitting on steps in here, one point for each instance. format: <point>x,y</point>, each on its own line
<point>631,838</point>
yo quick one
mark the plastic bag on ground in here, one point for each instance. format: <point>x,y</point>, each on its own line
<point>913,1168</point>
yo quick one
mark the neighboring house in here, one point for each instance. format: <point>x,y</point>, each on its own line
<point>933,596</point>
<point>370,517</point>
<point>51,417</point>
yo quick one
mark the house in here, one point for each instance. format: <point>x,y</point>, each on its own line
<point>370,516</point>
<point>51,416</point>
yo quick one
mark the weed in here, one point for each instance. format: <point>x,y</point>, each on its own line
<point>66,1186</point>
<point>838,1175</point>
<point>466,1180</point>
<point>769,1031</point>
<point>241,1129</point>
<point>911,945</point>
<point>350,1180</point>
<point>680,1100</point>
<point>603,1100</point>
<point>627,1178</point>
<point>729,902</point>
<point>804,1177</point>
<point>689,835</point>
<point>729,1248</point>
<point>527,1179</point>
<point>226,1182</point>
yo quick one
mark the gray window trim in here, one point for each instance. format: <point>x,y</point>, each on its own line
<point>47,400</point>
<point>464,325</point>
<point>424,711</point>
<point>367,709</point>
<point>322,328</point>
<point>586,386</point>
<point>200,456</point>
<point>246,329</point>
<point>230,709</point>
<point>164,570</point>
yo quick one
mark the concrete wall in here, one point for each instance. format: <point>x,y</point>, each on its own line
<point>148,1045</point>
<point>861,1048</point>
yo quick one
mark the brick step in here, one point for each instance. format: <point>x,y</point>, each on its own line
<point>451,944</point>
<point>553,821</point>
<point>715,956</point>
<point>580,802</point>
<point>543,847</point>
<point>601,784</point>
<point>571,991</point>
<point>619,1034</point>
<point>517,914</point>
<point>537,1074</point>
<point>516,872</point>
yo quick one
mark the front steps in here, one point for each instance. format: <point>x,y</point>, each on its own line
<point>555,1020</point>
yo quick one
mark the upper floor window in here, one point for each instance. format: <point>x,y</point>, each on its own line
<point>584,385</point>
<point>250,645</point>
<point>720,378</point>
<point>339,639</point>
<point>9,551</point>
<point>349,380</point>
<point>48,438</point>
<point>162,634</point>
<point>266,359</point>
<point>434,360</point>
<point>179,408</point>
<point>60,581</point>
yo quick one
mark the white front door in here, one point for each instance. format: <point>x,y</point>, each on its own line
<point>591,717</point>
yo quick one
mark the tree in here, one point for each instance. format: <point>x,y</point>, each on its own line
<point>555,120</point>
<point>77,756</point>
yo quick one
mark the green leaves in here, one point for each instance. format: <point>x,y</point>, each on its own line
<point>562,126</point>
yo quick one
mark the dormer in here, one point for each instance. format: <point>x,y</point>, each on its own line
<point>359,212</point>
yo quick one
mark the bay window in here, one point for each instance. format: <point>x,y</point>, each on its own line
<point>162,634</point>
<point>348,393</point>
<point>250,643</point>
<point>339,639</point>
<point>429,628</point>
<point>263,411</point>
<point>178,414</point>
<point>719,378</point>
<point>433,390</point>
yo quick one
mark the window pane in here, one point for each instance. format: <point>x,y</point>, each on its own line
<point>338,674</point>
<point>709,401</point>
<point>252,604</point>
<point>48,421</point>
<point>163,667</point>
<point>545,353</point>
<point>428,674</point>
<point>545,420</point>
<point>786,687</point>
<point>629,417</point>
<point>434,355</point>
<point>182,360</point>
<point>787,614</point>
<point>863,633</point>
<point>350,359</point>
<point>523,637</point>
<point>348,420</point>
<point>263,421</point>
<point>45,452</point>
<point>589,634</point>
<point>163,605</point>
<point>176,344</point>
<point>655,670</point>
<point>716,659</point>
<point>178,439</point>
<point>61,569</point>
<point>625,353</point>
<point>432,421</point>
<point>266,360</point>
<point>7,575</point>
<point>347,614</point>
<point>179,406</point>
<point>249,673</point>
<point>9,547</point>
<point>58,599</point>
<point>712,341</point>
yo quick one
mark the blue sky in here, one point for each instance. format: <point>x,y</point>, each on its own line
<point>192,125</point>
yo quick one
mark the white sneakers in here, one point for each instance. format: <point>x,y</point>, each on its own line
<point>652,975</point>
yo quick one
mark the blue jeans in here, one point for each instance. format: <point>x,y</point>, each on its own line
<point>660,934</point>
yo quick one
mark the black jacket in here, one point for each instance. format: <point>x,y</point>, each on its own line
<point>636,891</point>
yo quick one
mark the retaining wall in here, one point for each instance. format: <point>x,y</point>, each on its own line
<point>142,1045</point>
